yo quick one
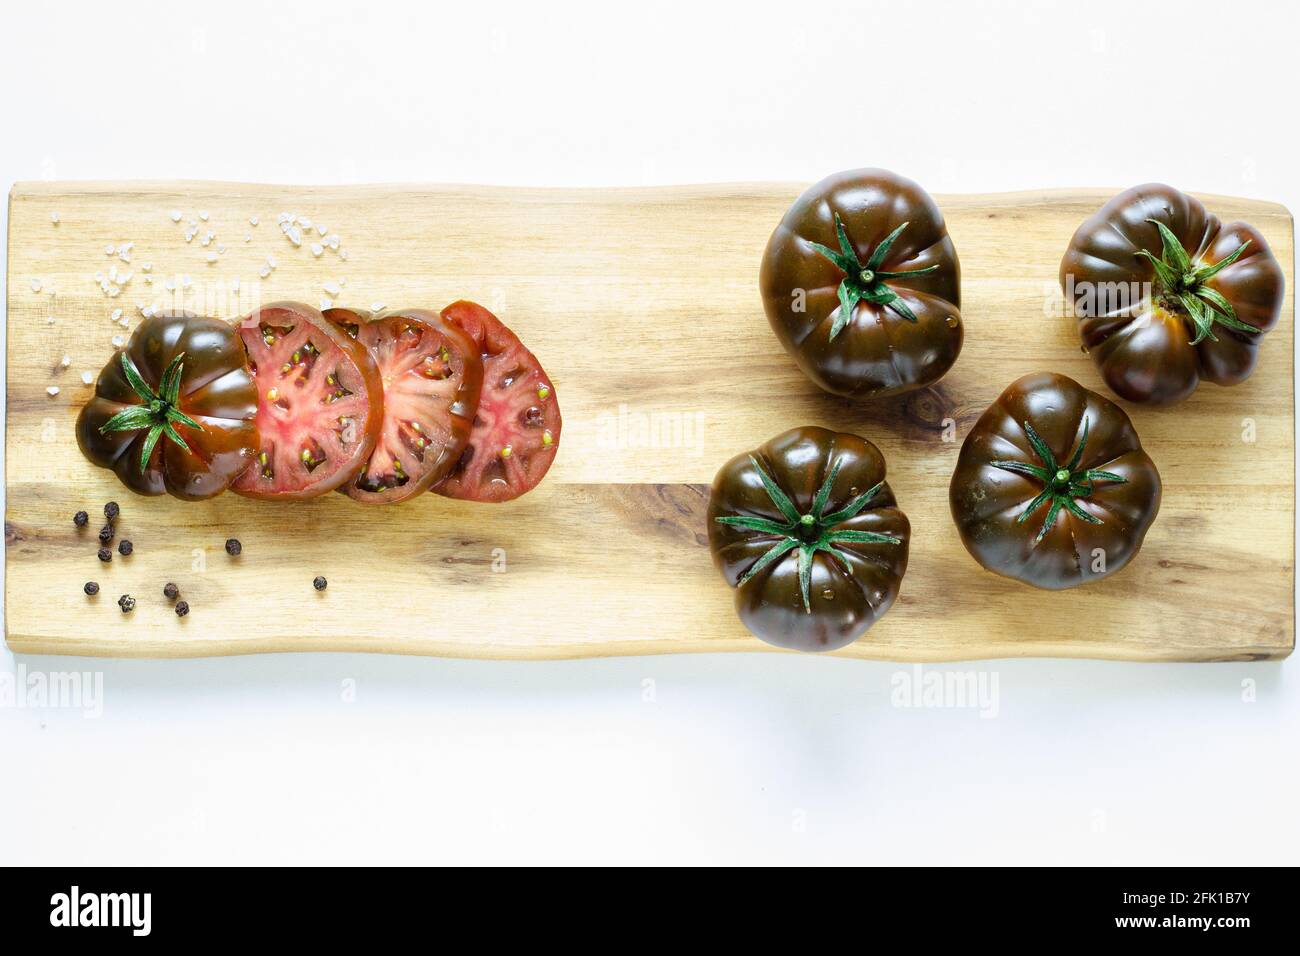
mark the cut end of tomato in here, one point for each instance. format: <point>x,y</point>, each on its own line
<point>516,430</point>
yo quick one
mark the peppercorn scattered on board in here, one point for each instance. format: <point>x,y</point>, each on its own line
<point>643,304</point>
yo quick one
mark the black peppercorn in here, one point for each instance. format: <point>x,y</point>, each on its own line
<point>91,588</point>
<point>126,603</point>
<point>319,583</point>
<point>111,510</point>
<point>80,519</point>
<point>106,533</point>
<point>233,547</point>
<point>104,554</point>
<point>170,591</point>
<point>125,547</point>
<point>182,608</point>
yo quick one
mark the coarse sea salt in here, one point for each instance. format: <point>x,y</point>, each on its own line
<point>52,391</point>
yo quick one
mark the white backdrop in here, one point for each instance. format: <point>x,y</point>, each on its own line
<point>744,758</point>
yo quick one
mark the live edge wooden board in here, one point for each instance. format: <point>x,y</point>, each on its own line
<point>643,305</point>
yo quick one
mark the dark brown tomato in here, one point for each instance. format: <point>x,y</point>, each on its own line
<point>517,427</point>
<point>820,559</point>
<point>215,389</point>
<point>321,403</point>
<point>1139,330</point>
<point>879,351</point>
<point>432,374</point>
<point>1074,515</point>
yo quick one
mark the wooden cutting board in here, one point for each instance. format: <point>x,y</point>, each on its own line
<point>643,305</point>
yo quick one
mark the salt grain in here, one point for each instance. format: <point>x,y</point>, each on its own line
<point>66,361</point>
<point>36,285</point>
<point>87,378</point>
<point>176,215</point>
<point>52,391</point>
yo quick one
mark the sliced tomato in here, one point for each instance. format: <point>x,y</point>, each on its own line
<point>320,403</point>
<point>432,375</point>
<point>517,429</point>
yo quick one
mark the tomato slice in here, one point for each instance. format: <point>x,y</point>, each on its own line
<point>320,403</point>
<point>517,429</point>
<point>432,375</point>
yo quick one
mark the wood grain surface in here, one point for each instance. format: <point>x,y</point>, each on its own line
<point>643,306</point>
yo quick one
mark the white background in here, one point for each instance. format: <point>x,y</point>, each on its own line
<point>742,758</point>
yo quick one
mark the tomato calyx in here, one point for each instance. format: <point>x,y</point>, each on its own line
<point>809,532</point>
<point>866,282</point>
<point>1062,484</point>
<point>159,412</point>
<point>1182,283</point>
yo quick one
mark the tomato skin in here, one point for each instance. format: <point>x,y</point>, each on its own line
<point>518,410</point>
<point>879,353</point>
<point>347,453</point>
<point>987,501</point>
<point>379,332</point>
<point>217,390</point>
<point>1142,344</point>
<point>844,604</point>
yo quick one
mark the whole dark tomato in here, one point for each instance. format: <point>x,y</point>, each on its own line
<point>808,533</point>
<point>1166,295</point>
<point>1052,486</point>
<point>516,429</point>
<point>862,286</point>
<point>432,374</point>
<point>175,410</point>
<point>320,403</point>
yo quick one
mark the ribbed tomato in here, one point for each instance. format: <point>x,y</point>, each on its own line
<point>517,428</point>
<point>432,375</point>
<point>320,403</point>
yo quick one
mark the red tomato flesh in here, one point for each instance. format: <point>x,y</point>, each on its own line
<point>517,428</point>
<point>320,403</point>
<point>432,375</point>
